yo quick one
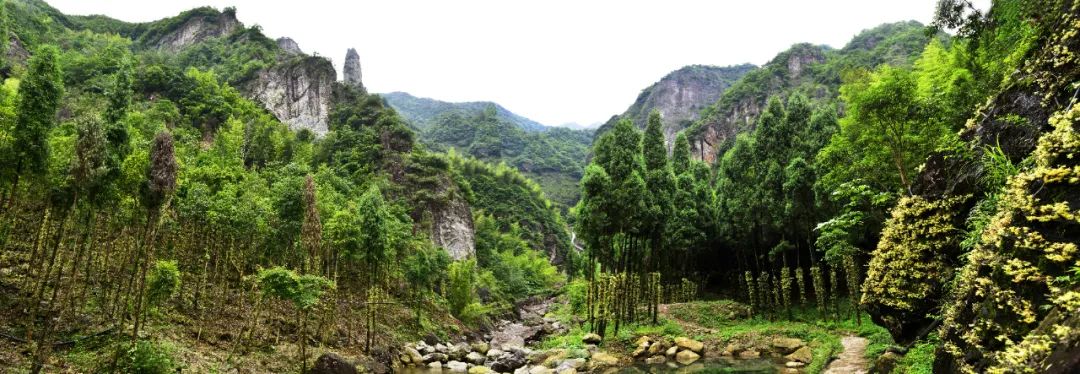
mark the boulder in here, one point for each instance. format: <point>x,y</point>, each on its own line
<point>691,344</point>
<point>749,353</point>
<point>494,352</point>
<point>574,363</point>
<point>332,363</point>
<point>656,360</point>
<point>509,361</point>
<point>672,351</point>
<point>641,351</point>
<point>435,365</point>
<point>540,370</point>
<point>787,345</point>
<point>803,355</point>
<point>591,338</point>
<point>480,347</point>
<point>796,364</point>
<point>459,351</point>
<point>413,356</point>
<point>687,357</point>
<point>657,347</point>
<point>601,359</point>
<point>886,362</point>
<point>441,348</point>
<point>643,341</point>
<point>475,358</point>
<point>457,366</point>
<point>434,357</point>
<point>480,370</point>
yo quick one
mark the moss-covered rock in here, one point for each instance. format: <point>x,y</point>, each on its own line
<point>1018,272</point>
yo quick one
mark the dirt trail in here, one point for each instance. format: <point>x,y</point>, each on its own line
<point>687,325</point>
<point>853,359</point>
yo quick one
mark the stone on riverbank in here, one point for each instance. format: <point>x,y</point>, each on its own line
<point>591,338</point>
<point>691,344</point>
<point>803,355</point>
<point>687,357</point>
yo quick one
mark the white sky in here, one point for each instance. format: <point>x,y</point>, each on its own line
<point>555,61</point>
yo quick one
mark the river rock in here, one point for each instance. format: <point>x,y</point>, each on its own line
<point>457,366</point>
<point>640,351</point>
<point>435,365</point>
<point>540,370</point>
<point>749,353</point>
<point>434,357</point>
<point>656,360</point>
<point>691,344</point>
<point>566,371</point>
<point>601,359</point>
<point>480,347</point>
<point>672,351</point>
<point>574,363</point>
<point>591,338</point>
<point>459,351</point>
<point>441,348</point>
<point>331,363</point>
<point>643,341</point>
<point>803,355</point>
<point>687,357</point>
<point>509,361</point>
<point>480,370</point>
<point>657,347</point>
<point>475,358</point>
<point>796,364</point>
<point>787,345</point>
<point>413,355</point>
<point>494,352</point>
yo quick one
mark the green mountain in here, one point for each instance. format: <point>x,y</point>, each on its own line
<point>811,70</point>
<point>422,112</point>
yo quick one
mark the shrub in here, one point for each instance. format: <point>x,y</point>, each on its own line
<point>162,282</point>
<point>147,357</point>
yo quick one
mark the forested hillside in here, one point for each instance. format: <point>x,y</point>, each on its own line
<point>187,188</point>
<point>553,156</point>
<point>190,195</point>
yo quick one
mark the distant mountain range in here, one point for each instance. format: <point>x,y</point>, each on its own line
<point>421,112</point>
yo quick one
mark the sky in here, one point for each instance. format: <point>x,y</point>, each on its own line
<point>554,61</point>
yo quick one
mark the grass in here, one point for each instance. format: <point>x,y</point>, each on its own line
<point>920,358</point>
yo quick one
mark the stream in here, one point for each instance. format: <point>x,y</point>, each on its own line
<point>522,334</point>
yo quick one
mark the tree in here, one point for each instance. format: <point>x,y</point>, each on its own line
<point>680,154</point>
<point>39,98</point>
<point>304,291</point>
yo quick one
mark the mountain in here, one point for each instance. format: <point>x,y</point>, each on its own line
<point>681,95</point>
<point>554,157</point>
<point>813,70</point>
<point>421,111</point>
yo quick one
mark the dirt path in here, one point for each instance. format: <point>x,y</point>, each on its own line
<point>687,325</point>
<point>852,360</point>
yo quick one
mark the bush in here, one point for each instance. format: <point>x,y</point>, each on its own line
<point>577,292</point>
<point>461,290</point>
<point>162,282</point>
<point>147,357</point>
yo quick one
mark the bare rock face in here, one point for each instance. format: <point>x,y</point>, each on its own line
<point>351,70</point>
<point>453,229</point>
<point>198,28</point>
<point>289,46</point>
<point>680,96</point>
<point>297,92</point>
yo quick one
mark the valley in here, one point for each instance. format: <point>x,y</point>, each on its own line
<point>192,195</point>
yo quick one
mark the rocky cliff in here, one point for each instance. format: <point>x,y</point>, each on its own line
<point>192,27</point>
<point>297,91</point>
<point>681,95</point>
<point>452,228</point>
